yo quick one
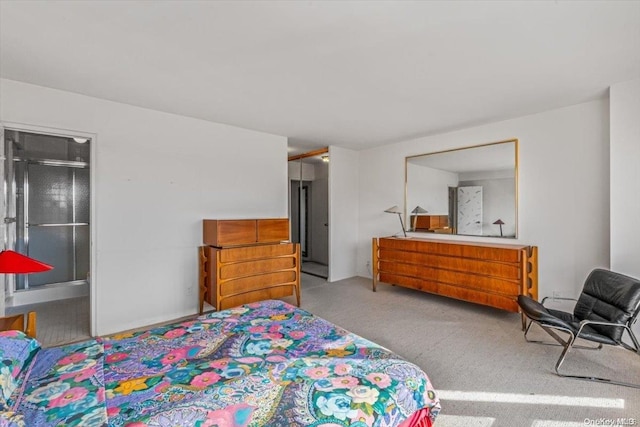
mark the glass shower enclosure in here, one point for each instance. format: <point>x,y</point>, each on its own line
<point>47,194</point>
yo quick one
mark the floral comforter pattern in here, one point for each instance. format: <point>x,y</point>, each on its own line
<point>263,364</point>
<point>63,386</point>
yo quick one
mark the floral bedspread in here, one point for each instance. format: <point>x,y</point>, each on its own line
<point>262,364</point>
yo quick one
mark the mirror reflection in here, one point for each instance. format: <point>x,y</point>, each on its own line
<point>309,209</point>
<point>469,191</point>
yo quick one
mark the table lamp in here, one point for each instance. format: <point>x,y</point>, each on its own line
<point>499,222</point>
<point>396,210</point>
<point>14,262</point>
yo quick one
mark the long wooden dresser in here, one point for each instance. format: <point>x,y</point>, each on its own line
<point>246,261</point>
<point>483,273</point>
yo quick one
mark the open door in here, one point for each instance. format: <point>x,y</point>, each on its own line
<point>47,217</point>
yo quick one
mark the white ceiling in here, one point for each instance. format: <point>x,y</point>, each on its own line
<point>352,74</point>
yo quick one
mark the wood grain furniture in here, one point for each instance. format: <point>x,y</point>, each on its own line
<point>483,273</point>
<point>238,232</point>
<point>247,261</point>
<point>16,322</point>
<point>429,222</point>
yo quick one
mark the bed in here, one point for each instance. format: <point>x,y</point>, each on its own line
<point>261,364</point>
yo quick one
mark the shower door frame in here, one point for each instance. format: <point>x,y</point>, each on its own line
<point>26,225</point>
<point>8,232</point>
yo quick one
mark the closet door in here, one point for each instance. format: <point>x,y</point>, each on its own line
<point>470,210</point>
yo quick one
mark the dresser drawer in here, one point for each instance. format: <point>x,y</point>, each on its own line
<point>254,283</point>
<point>470,265</point>
<point>484,252</point>
<point>256,252</point>
<point>238,275</point>
<point>260,295</point>
<point>241,269</point>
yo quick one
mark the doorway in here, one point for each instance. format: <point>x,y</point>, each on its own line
<point>47,217</point>
<point>309,210</point>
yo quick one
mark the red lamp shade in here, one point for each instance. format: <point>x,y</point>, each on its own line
<point>13,262</point>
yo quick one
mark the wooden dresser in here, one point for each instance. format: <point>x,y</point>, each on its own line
<point>246,261</point>
<point>484,273</point>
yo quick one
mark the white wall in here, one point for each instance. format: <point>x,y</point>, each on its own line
<point>563,188</point>
<point>430,190</point>
<point>343,213</point>
<point>625,179</point>
<point>156,176</point>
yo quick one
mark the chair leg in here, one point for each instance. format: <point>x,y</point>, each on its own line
<point>569,345</point>
<point>30,329</point>
<point>634,340</point>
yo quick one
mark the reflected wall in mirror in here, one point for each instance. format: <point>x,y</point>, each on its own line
<point>468,191</point>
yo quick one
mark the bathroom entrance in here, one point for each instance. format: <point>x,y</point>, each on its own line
<point>47,215</point>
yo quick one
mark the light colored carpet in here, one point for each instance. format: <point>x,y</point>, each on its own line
<point>469,351</point>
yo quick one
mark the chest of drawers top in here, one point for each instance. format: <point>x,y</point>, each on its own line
<point>238,232</point>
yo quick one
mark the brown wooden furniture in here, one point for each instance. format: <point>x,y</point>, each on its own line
<point>429,222</point>
<point>203,291</point>
<point>16,322</point>
<point>484,273</point>
<point>247,261</point>
<point>235,232</point>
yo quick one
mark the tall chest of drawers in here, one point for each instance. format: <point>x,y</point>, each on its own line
<point>246,261</point>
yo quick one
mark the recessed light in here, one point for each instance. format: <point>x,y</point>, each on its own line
<point>80,140</point>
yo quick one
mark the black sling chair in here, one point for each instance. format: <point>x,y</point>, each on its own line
<point>607,307</point>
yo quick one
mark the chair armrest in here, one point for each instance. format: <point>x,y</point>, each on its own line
<point>600,322</point>
<point>539,313</point>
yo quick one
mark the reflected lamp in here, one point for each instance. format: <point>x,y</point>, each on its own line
<point>500,223</point>
<point>417,211</point>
